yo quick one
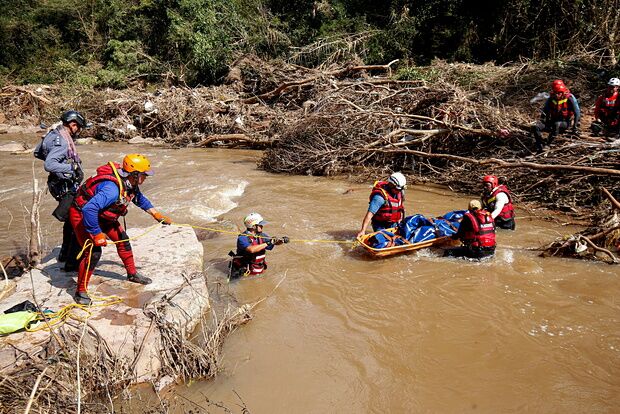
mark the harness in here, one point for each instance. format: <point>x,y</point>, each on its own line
<point>107,172</point>
<point>560,109</point>
<point>393,210</point>
<point>483,229</point>
<point>508,211</point>
<point>254,263</point>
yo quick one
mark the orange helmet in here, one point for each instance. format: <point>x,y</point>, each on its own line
<point>491,179</point>
<point>137,163</point>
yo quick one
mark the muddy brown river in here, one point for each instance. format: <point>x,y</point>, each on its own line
<point>344,333</point>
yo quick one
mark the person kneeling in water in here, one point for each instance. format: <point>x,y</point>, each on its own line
<point>252,246</point>
<point>476,232</point>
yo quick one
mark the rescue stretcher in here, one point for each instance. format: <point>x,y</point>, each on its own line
<point>403,248</point>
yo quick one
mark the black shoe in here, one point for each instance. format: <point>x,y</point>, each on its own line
<point>82,298</point>
<point>70,267</point>
<point>138,278</point>
<point>62,256</point>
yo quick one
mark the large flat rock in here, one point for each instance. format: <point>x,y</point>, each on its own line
<point>172,256</point>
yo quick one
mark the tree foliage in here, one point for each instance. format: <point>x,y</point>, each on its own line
<point>111,42</point>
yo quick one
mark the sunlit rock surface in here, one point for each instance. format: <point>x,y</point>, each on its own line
<point>170,255</point>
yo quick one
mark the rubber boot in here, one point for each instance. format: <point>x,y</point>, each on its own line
<point>82,298</point>
<point>138,278</point>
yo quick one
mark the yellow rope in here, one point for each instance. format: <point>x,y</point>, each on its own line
<point>236,233</point>
<point>68,311</point>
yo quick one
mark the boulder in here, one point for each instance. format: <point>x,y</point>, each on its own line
<point>85,141</point>
<point>13,147</point>
<point>140,140</point>
<point>171,256</point>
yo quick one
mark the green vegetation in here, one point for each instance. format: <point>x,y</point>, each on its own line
<point>98,43</point>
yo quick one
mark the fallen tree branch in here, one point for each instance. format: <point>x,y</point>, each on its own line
<point>506,164</point>
<point>286,85</point>
<point>238,138</point>
<point>599,249</point>
<point>615,203</point>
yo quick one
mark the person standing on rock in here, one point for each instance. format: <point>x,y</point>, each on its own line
<point>98,205</point>
<point>64,166</point>
<point>497,200</point>
<point>386,207</point>
<point>476,232</point>
<point>252,246</point>
<point>560,111</point>
<point>606,110</point>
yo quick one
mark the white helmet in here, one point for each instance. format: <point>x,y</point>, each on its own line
<point>398,179</point>
<point>253,219</point>
<point>614,82</point>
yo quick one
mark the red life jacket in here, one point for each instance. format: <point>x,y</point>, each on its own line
<point>560,109</point>
<point>606,105</point>
<point>483,229</point>
<point>87,191</point>
<point>508,211</point>
<point>393,210</point>
<point>254,262</point>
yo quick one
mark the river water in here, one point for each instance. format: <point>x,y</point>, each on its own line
<point>344,333</point>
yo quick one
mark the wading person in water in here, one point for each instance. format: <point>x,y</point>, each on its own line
<point>476,232</point>
<point>98,205</point>
<point>386,208</point>
<point>64,166</point>
<point>496,199</point>
<point>252,246</point>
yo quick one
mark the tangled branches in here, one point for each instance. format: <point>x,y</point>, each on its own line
<point>597,242</point>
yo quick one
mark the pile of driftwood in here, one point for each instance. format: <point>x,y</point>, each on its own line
<point>76,371</point>
<point>600,242</point>
<point>446,123</point>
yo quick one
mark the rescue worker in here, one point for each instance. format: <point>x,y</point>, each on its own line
<point>561,110</point>
<point>63,163</point>
<point>98,205</point>
<point>497,200</point>
<point>476,232</point>
<point>386,208</point>
<point>252,246</point>
<point>606,110</point>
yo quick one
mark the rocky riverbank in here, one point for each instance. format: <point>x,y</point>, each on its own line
<point>132,334</point>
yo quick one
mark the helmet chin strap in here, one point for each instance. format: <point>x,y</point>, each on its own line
<point>128,185</point>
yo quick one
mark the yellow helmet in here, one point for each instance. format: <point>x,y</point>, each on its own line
<point>137,163</point>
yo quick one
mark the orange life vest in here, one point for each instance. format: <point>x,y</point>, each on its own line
<point>482,233</point>
<point>393,210</point>
<point>508,211</point>
<point>87,191</point>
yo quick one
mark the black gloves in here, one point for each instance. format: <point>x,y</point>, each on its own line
<point>79,173</point>
<point>275,241</point>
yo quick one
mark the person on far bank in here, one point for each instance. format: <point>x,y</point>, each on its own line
<point>62,162</point>
<point>497,200</point>
<point>252,246</point>
<point>476,232</point>
<point>606,119</point>
<point>386,207</point>
<point>95,212</point>
<point>559,113</point>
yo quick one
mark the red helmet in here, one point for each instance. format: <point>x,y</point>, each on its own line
<point>491,179</point>
<point>557,82</point>
<point>558,86</point>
